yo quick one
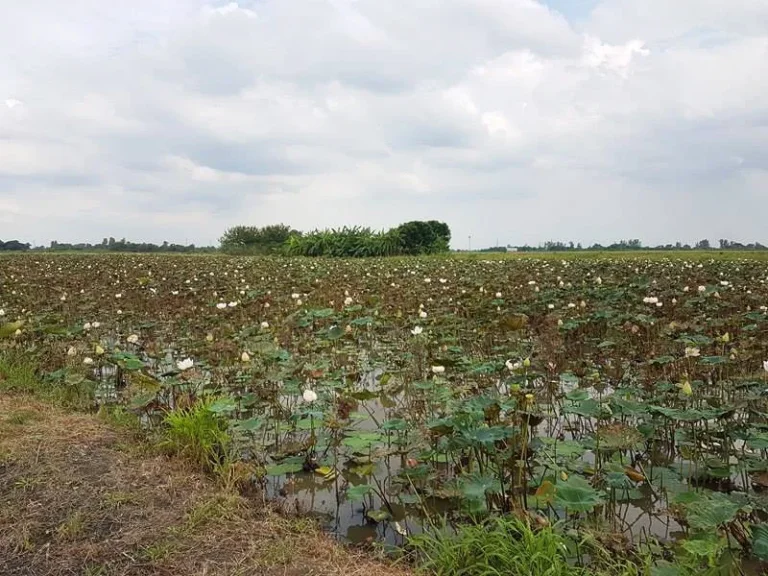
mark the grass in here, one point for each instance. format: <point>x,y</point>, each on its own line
<point>21,417</point>
<point>19,375</point>
<point>115,511</point>
<point>199,435</point>
<point>504,546</point>
<point>73,527</point>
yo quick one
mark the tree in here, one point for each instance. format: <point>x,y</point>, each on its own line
<point>702,244</point>
<point>13,246</point>
<point>252,239</point>
<point>419,237</point>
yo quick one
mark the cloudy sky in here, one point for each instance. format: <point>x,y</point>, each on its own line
<point>512,120</point>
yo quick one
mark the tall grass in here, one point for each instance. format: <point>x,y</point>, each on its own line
<point>200,435</point>
<point>19,374</point>
<point>503,546</point>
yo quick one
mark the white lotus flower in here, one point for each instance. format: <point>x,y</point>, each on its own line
<point>295,296</point>
<point>221,305</point>
<point>702,288</point>
<point>512,366</point>
<point>185,364</point>
<point>692,352</point>
<point>765,365</point>
<point>87,326</point>
<point>245,357</point>
<point>99,350</point>
<point>498,294</point>
<point>598,280</point>
<point>265,324</point>
<point>133,339</point>
<point>2,312</point>
<point>422,314</point>
<point>299,302</point>
<point>71,352</point>
<point>550,306</point>
<point>232,304</point>
<point>118,296</point>
<point>438,369</point>
<point>417,330</point>
<point>87,360</point>
<point>309,396</point>
<point>348,301</point>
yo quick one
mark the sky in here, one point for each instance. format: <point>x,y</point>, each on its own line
<point>514,121</point>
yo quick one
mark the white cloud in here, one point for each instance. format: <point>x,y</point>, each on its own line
<point>617,59</point>
<point>502,118</point>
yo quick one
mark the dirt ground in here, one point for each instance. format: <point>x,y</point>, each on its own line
<point>80,496</point>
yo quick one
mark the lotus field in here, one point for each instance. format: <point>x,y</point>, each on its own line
<point>624,398</point>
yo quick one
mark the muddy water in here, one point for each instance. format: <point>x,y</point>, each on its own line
<point>307,492</point>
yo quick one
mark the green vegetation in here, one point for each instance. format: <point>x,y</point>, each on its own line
<point>255,240</point>
<point>617,402</point>
<point>198,434</point>
<point>412,238</point>
<point>510,547</point>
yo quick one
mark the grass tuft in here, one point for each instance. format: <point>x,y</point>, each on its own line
<point>199,435</point>
<point>502,546</point>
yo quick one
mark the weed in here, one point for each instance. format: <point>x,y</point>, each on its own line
<point>158,551</point>
<point>221,507</point>
<point>17,374</point>
<point>119,499</point>
<point>73,527</point>
<point>27,483</point>
<point>95,570</point>
<point>21,417</point>
<point>199,435</point>
<point>507,546</point>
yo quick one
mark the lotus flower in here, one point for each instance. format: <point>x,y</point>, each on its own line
<point>185,364</point>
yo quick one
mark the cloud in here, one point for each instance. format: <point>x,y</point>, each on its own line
<point>173,119</point>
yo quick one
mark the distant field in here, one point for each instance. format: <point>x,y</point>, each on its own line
<point>642,254</point>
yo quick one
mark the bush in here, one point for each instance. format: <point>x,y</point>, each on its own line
<point>411,238</point>
<point>254,240</point>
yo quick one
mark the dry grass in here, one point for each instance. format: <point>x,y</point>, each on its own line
<point>79,498</point>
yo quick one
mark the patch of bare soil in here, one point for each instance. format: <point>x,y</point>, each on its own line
<point>81,497</point>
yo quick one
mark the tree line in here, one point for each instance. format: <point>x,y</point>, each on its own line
<point>107,245</point>
<point>633,244</point>
<point>411,238</point>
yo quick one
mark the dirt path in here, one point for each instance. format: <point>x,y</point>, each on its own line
<point>81,497</point>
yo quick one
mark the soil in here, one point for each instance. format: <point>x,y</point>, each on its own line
<point>80,495</point>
